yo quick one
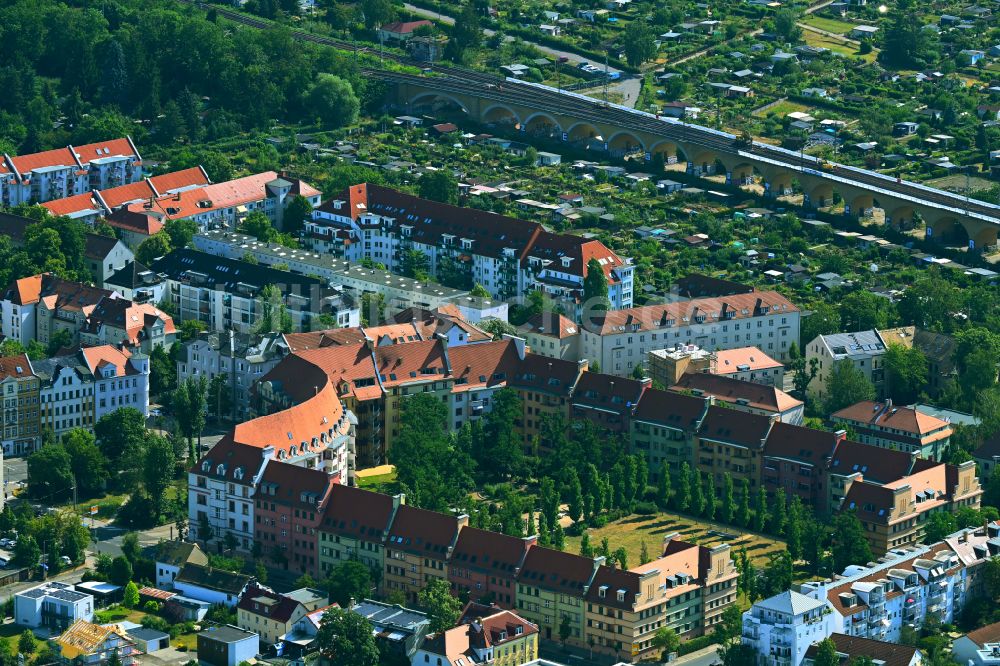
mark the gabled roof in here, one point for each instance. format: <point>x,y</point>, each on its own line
<point>875,464</point>
<point>317,339</point>
<point>886,415</point>
<point>729,389</point>
<point>401,364</point>
<point>983,635</point>
<point>179,553</point>
<point>551,324</point>
<point>731,426</point>
<point>805,445</point>
<point>130,317</point>
<point>556,570</point>
<point>268,604</point>
<point>292,485</point>
<point>84,639</point>
<point>489,552</point>
<point>357,513</point>
<point>881,652</point>
<point>598,390</point>
<point>70,206</point>
<point>211,578</point>
<point>488,364</point>
<point>546,375</point>
<point>674,410</point>
<point>422,532</point>
<point>17,367</point>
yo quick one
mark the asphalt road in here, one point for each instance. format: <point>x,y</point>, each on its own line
<point>14,470</point>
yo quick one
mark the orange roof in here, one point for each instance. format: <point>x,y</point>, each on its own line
<point>743,359</point>
<point>123,194</point>
<point>169,182</point>
<point>350,367</point>
<point>296,426</point>
<point>100,356</point>
<point>26,290</point>
<point>885,415</point>
<point>402,364</point>
<point>115,148</point>
<point>147,222</point>
<point>188,203</point>
<point>49,158</point>
<point>483,364</point>
<point>78,203</point>
<point>393,333</point>
<point>131,317</point>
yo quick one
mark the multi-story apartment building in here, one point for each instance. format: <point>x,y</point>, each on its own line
<point>743,396</point>
<point>781,628</point>
<point>78,389</point>
<point>19,386</point>
<point>545,386</point>
<point>731,442</point>
<point>686,589</point>
<point>748,364</point>
<point>888,426</point>
<point>314,433</point>
<point>354,526</point>
<point>552,585</point>
<point>288,506</point>
<point>484,565</point>
<point>552,334</point>
<point>621,339</point>
<point>241,358</point>
<point>663,429</point>
<point>69,171</point>
<point>417,549</point>
<point>905,588</point>
<point>864,350</point>
<point>607,400</point>
<point>225,294</point>
<point>796,460</point>
<point>119,321</point>
<point>509,257</point>
<point>220,205</point>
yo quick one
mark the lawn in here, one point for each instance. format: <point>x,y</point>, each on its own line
<point>375,477</point>
<point>783,108</point>
<point>835,45</point>
<point>632,531</point>
<point>828,24</point>
<point>11,633</point>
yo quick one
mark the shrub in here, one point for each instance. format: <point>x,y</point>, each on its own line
<point>645,508</point>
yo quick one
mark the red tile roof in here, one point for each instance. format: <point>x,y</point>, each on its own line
<point>114,148</point>
<point>885,415</point>
<point>405,27</point>
<point>25,291</point>
<point>168,182</point>
<point>317,339</point>
<point>78,203</point>
<point>889,654</point>
<point>103,355</point>
<point>682,313</point>
<point>268,604</point>
<point>551,324</point>
<point>401,364</point>
<point>729,389</point>
<point>487,364</point>
<point>15,366</point>
<point>189,203</point>
<point>123,194</point>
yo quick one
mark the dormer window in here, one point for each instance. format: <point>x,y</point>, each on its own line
<point>293,451</point>
<point>503,635</point>
<point>238,474</point>
<point>518,630</point>
<point>602,591</point>
<point>206,466</point>
<point>566,261</point>
<point>466,244</point>
<point>621,595</point>
<point>508,252</point>
<point>221,469</point>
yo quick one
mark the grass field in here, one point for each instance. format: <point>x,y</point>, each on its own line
<point>376,476</point>
<point>835,45</point>
<point>828,24</point>
<point>631,532</point>
<point>782,109</point>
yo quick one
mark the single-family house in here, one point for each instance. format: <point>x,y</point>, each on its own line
<point>215,586</point>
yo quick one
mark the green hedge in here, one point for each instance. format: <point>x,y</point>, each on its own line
<point>695,644</point>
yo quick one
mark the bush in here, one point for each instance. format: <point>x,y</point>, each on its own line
<point>646,508</point>
<point>695,644</point>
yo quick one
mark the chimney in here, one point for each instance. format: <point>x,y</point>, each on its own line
<point>177,197</point>
<point>840,435</point>
<point>667,538</point>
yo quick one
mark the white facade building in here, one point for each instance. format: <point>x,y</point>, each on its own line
<point>621,339</point>
<point>864,350</point>
<point>507,256</point>
<point>904,588</point>
<point>783,627</point>
<point>52,605</point>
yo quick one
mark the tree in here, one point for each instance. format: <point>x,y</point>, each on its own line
<point>258,225</point>
<point>595,287</point>
<point>297,211</point>
<point>906,372</point>
<point>743,515</point>
<point>710,502</point>
<point>586,550</point>
<point>131,549</point>
<point>180,232</point>
<point>26,551</point>
<point>849,545</point>
<point>377,12</point>
<point>760,511</point>
<point>439,185</point>
<point>991,577</point>
<point>621,557</point>
<point>274,317</point>
<point>88,464</point>
<point>131,595</point>
<point>826,654</point>
<point>786,26</point>
<point>639,43</point>
<point>682,498</point>
<point>190,402</point>
<point>61,339</point>
<point>349,580</point>
<point>121,436</point>
<point>939,525</point>
<point>121,571</point>
<point>333,100</point>
<point>905,43</point>
<point>50,473</point>
<point>346,638</point>
<point>549,500</point>
<point>846,386</point>
<point>663,487</point>
<point>565,629</point>
<point>415,264</point>
<point>442,607</point>
<point>479,291</point>
<point>220,396</point>
<point>157,471</point>
<point>666,640</point>
<point>776,522</point>
<point>728,507</point>
<point>155,246</point>
<point>500,453</point>
<point>26,642</point>
<point>794,528</point>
